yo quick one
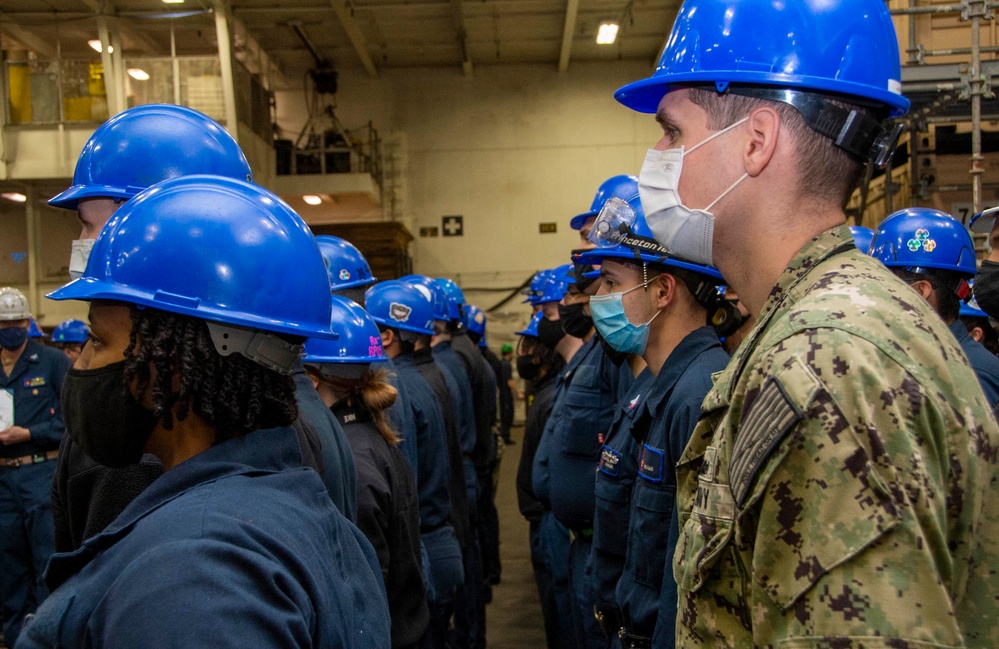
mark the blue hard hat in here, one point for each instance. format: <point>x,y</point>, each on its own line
<point>359,341</point>
<point>213,248</point>
<point>437,294</point>
<point>840,47</point>
<point>34,331</point>
<point>622,187</point>
<point>401,305</point>
<point>475,320</point>
<point>622,233</point>
<point>557,283</point>
<point>920,237</point>
<point>71,331</point>
<point>345,264</point>
<point>862,237</point>
<point>536,288</point>
<point>455,297</point>
<point>532,326</point>
<point>149,144</point>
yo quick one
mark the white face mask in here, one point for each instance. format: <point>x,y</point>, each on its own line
<point>78,257</point>
<point>686,233</point>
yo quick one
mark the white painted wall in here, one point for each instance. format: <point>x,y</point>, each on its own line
<point>510,148</point>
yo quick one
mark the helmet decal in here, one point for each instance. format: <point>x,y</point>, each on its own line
<point>922,240</point>
<point>345,275</point>
<point>399,312</point>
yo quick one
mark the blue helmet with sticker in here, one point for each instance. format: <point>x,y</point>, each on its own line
<point>149,144</point>
<point>862,237</point>
<point>359,341</point>
<point>221,250</point>
<point>437,294</point>
<point>922,238</point>
<point>839,47</point>
<point>623,187</point>
<point>71,331</point>
<point>621,233</point>
<point>557,283</point>
<point>455,297</point>
<point>536,288</point>
<point>401,305</point>
<point>345,264</point>
<point>532,327</point>
<point>475,320</point>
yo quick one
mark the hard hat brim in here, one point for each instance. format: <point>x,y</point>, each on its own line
<point>70,198</point>
<point>86,289</point>
<point>579,220</point>
<point>983,222</point>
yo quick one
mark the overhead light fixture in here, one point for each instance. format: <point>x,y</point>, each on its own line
<point>607,33</point>
<point>312,199</point>
<point>17,197</point>
<point>96,45</point>
<point>173,2</point>
<point>138,74</point>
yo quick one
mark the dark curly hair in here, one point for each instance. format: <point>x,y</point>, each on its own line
<point>232,393</point>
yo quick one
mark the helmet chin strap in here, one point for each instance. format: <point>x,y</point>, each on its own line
<point>266,349</point>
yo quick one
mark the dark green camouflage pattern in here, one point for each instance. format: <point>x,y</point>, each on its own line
<point>842,488</point>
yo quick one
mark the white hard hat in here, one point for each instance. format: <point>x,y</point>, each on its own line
<point>13,305</point>
<point>983,221</point>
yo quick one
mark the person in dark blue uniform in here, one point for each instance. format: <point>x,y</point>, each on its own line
<point>349,376</point>
<point>470,612</point>
<point>590,386</point>
<point>187,364</point>
<point>657,306</point>
<point>934,253</point>
<point>70,336</point>
<point>31,380</point>
<point>128,153</point>
<point>402,314</point>
<point>541,365</point>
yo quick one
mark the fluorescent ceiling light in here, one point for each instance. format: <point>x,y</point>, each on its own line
<point>17,197</point>
<point>312,199</point>
<point>607,33</point>
<point>96,45</point>
<point>173,2</point>
<point>138,74</point>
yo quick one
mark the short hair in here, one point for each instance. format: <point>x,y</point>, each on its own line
<point>232,393</point>
<point>945,283</point>
<point>827,172</point>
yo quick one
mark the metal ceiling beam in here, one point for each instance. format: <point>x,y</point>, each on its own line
<point>459,21</point>
<point>568,30</point>
<point>29,39</point>
<point>355,36</point>
<point>127,29</point>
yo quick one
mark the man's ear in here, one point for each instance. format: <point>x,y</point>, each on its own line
<point>665,288</point>
<point>924,288</point>
<point>764,125</point>
<point>977,334</point>
<point>388,337</point>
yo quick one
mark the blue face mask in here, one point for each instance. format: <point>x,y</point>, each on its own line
<point>614,326</point>
<point>13,337</point>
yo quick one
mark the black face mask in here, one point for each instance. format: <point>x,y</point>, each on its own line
<point>550,332</point>
<point>987,288</point>
<point>614,355</point>
<point>574,320</point>
<point>103,417</point>
<point>527,368</point>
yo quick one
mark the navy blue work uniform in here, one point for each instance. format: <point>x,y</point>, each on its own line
<point>470,613</point>
<point>433,489</point>
<point>388,514</point>
<point>579,423</point>
<point>26,470</point>
<point>557,619</point>
<point>673,407</point>
<point>335,456</point>
<point>505,399</point>
<point>402,421</point>
<point>237,546</point>
<point>616,471</point>
<point>984,362</point>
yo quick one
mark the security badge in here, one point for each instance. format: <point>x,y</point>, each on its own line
<point>399,312</point>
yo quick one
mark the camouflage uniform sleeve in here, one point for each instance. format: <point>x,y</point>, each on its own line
<point>856,492</point>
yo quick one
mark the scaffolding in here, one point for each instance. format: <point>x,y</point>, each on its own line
<point>947,85</point>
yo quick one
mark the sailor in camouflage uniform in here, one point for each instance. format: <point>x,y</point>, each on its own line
<point>840,489</point>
